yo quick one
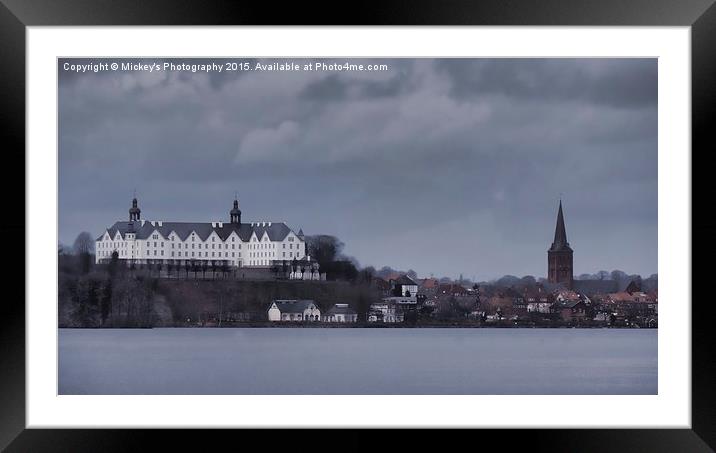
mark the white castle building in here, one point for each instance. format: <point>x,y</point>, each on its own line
<point>254,244</point>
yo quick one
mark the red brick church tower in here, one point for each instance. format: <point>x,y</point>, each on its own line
<point>559,255</point>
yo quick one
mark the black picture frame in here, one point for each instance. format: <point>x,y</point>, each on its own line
<point>700,15</point>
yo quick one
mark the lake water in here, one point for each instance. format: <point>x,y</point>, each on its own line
<point>357,361</point>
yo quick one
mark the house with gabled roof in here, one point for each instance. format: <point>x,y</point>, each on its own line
<point>428,286</point>
<point>404,286</point>
<point>340,313</point>
<point>234,243</point>
<point>293,310</point>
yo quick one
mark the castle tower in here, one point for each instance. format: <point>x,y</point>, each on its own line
<point>559,256</point>
<point>134,211</point>
<point>235,214</point>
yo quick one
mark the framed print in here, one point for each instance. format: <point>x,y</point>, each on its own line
<point>379,226</point>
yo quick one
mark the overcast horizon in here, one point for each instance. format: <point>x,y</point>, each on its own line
<point>443,166</point>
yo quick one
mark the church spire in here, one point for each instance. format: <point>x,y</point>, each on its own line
<point>560,232</point>
<point>560,268</point>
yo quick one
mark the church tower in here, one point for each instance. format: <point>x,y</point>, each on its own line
<point>134,211</point>
<point>559,255</point>
<point>235,214</point>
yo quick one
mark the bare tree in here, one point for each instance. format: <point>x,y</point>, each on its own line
<point>84,248</point>
<point>83,244</point>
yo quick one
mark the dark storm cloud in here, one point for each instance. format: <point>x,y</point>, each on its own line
<point>443,166</point>
<point>328,88</point>
<point>628,83</point>
<point>336,88</point>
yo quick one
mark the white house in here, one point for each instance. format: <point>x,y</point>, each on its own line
<point>294,310</point>
<point>340,313</point>
<point>405,285</point>
<point>386,311</point>
<point>233,243</point>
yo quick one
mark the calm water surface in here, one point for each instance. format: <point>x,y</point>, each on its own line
<point>357,361</point>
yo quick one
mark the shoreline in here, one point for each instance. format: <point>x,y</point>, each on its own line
<point>349,326</point>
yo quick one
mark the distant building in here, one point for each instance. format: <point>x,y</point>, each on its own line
<point>452,289</point>
<point>632,304</point>
<point>566,295</point>
<point>233,243</point>
<point>385,311</point>
<point>402,302</point>
<point>340,313</point>
<point>506,301</point>
<point>538,300</point>
<point>570,310</point>
<point>404,286</point>
<point>299,269</point>
<point>294,310</point>
<point>519,304</point>
<point>428,287</point>
<point>559,256</point>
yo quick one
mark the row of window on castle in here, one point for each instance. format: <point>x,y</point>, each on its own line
<point>213,238</point>
<point>206,246</point>
<point>233,239</point>
<point>226,246</point>
<point>206,254</point>
<point>213,245</point>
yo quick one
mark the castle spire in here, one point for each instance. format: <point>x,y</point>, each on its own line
<point>235,213</point>
<point>134,211</point>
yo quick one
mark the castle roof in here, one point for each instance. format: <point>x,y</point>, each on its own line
<point>276,231</point>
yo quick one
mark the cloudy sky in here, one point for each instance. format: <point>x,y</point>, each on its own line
<point>445,166</point>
